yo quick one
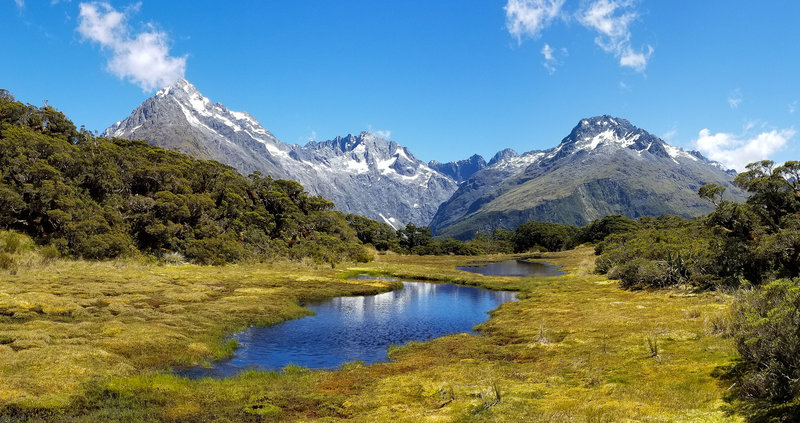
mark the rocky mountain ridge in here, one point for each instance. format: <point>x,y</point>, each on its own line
<point>362,174</point>
<point>604,166</point>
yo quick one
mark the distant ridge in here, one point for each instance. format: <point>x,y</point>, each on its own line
<point>461,170</point>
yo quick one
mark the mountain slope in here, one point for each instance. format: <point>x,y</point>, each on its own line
<point>180,118</point>
<point>361,174</point>
<point>370,176</point>
<point>605,166</point>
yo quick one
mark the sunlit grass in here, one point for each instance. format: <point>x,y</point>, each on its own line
<point>88,341</point>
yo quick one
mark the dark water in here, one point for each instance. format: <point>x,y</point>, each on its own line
<point>360,328</point>
<point>514,268</point>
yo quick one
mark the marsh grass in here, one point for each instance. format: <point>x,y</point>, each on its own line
<point>95,341</point>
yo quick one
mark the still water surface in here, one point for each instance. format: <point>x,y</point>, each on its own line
<point>360,328</point>
<point>514,268</point>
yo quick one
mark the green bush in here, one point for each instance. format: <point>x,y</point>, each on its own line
<point>599,229</point>
<point>664,251</point>
<point>216,251</point>
<point>49,253</point>
<point>552,236</point>
<point>766,328</point>
<point>11,243</point>
<point>6,262</point>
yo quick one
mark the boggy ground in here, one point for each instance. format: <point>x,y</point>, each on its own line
<point>87,341</point>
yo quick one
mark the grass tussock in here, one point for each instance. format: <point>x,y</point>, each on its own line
<point>88,341</point>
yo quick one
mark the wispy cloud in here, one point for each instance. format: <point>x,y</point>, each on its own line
<point>611,19</point>
<point>793,107</point>
<point>551,61</point>
<point>385,134</point>
<point>737,151</point>
<point>530,17</point>
<point>20,3</point>
<point>142,57</point>
<point>735,98</point>
<point>670,135</point>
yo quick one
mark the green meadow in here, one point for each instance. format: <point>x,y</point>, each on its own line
<point>96,341</point>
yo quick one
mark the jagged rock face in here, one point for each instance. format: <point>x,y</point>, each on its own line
<point>367,175</point>
<point>180,118</point>
<point>605,166</point>
<point>461,170</point>
<point>361,174</point>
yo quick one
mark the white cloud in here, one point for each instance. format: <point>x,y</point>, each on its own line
<point>551,61</point>
<point>737,152</point>
<point>611,19</point>
<point>142,58</point>
<point>530,17</point>
<point>670,135</point>
<point>793,107</point>
<point>20,3</point>
<point>382,134</point>
<point>547,52</point>
<point>735,98</point>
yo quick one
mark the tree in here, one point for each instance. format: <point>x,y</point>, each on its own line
<point>712,193</point>
<point>414,236</point>
<point>599,229</point>
<point>552,236</point>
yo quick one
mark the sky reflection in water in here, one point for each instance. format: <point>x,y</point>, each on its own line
<point>360,328</point>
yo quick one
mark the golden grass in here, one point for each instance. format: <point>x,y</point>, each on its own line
<point>86,341</point>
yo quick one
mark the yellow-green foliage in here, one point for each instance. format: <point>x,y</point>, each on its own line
<point>84,341</point>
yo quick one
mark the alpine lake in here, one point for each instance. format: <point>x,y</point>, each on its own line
<point>362,328</point>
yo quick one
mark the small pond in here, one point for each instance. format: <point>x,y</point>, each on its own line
<point>359,328</point>
<point>513,268</point>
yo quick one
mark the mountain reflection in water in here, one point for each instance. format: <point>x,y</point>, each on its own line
<point>360,328</point>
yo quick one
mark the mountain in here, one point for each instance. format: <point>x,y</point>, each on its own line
<point>604,166</point>
<point>373,177</point>
<point>179,118</point>
<point>362,174</point>
<point>461,170</point>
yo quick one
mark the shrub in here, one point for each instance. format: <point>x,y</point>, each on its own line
<point>173,257</point>
<point>6,262</point>
<point>599,229</point>
<point>49,253</point>
<point>664,251</point>
<point>11,243</point>
<point>767,334</point>
<point>552,236</point>
<point>217,250</point>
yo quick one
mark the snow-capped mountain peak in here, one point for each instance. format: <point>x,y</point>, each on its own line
<point>610,133</point>
<point>363,174</point>
<point>604,166</point>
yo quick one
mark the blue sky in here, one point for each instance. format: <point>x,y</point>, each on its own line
<point>447,78</point>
